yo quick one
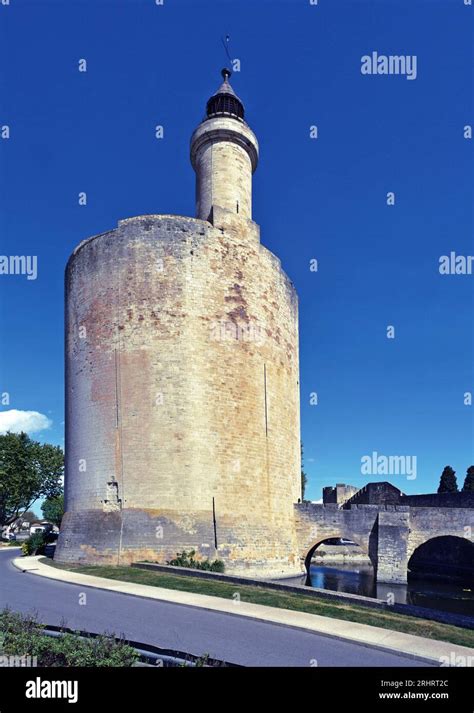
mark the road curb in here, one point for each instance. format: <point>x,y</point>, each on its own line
<point>386,640</point>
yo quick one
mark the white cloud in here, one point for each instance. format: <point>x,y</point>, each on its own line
<point>27,421</point>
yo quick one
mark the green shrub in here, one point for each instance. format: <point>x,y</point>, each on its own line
<point>9,543</point>
<point>199,662</point>
<point>218,566</point>
<point>34,544</point>
<point>186,559</point>
<point>22,635</point>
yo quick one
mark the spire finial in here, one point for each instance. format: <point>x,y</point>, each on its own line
<point>225,102</point>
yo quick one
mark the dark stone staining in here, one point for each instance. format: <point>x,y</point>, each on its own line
<point>238,313</point>
<point>238,298</point>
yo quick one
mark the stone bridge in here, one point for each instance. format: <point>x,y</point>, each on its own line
<point>388,534</point>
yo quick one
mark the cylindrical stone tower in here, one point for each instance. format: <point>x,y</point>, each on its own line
<point>224,154</point>
<point>182,394</point>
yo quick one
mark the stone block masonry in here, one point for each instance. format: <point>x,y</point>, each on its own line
<point>182,386</point>
<point>182,377</point>
<point>388,534</point>
<point>392,550</point>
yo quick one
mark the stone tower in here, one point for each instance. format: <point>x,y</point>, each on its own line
<point>182,393</point>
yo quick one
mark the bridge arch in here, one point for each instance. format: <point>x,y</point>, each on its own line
<point>452,555</point>
<point>327,540</point>
<point>389,534</point>
<point>314,546</point>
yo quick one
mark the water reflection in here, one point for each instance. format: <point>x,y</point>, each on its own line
<point>420,591</point>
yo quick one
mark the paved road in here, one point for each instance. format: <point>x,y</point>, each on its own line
<point>198,631</point>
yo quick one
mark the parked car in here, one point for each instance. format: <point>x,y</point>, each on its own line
<point>50,532</point>
<point>8,536</point>
<point>45,527</point>
<point>36,528</point>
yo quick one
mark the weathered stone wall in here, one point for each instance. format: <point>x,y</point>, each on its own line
<point>383,493</point>
<point>429,522</point>
<point>331,554</point>
<point>439,500</point>
<point>182,386</point>
<point>316,523</point>
<point>224,154</point>
<point>389,534</point>
<point>392,555</point>
<point>340,494</point>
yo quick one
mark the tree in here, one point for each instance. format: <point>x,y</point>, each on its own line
<point>53,509</point>
<point>29,516</point>
<point>28,470</point>
<point>448,482</point>
<point>468,486</point>
<point>304,477</point>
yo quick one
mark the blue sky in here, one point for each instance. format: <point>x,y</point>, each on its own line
<point>321,198</point>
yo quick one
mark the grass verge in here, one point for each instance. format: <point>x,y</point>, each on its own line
<point>272,598</point>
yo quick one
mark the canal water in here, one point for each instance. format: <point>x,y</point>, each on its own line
<point>420,591</point>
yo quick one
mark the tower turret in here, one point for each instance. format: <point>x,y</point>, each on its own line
<point>224,154</point>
